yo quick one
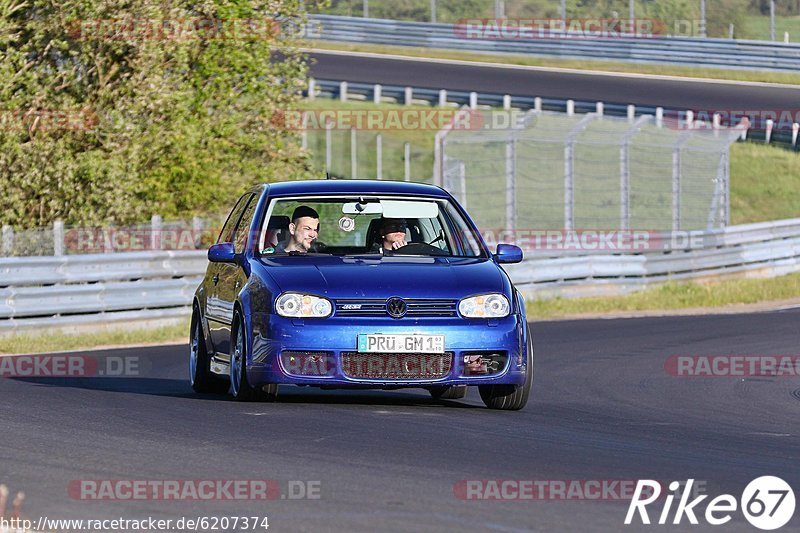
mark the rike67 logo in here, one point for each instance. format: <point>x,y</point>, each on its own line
<point>767,503</point>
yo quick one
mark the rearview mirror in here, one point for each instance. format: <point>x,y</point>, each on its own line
<point>508,253</point>
<point>221,253</point>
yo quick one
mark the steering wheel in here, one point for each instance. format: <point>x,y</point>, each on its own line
<point>418,248</point>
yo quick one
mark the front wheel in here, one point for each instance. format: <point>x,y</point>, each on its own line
<point>240,387</point>
<point>510,397</point>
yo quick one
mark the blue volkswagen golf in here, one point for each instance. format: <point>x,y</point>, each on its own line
<point>358,284</point>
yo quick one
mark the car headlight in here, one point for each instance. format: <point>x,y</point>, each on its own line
<point>298,305</point>
<point>484,306</point>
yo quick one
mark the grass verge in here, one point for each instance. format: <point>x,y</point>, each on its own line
<point>673,296</point>
<point>580,64</point>
<point>764,183</point>
<point>54,341</point>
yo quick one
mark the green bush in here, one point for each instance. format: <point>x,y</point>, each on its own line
<point>102,123</point>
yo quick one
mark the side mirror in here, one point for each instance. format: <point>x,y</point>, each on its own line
<point>221,253</point>
<point>508,253</point>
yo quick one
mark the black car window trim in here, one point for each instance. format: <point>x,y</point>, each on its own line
<point>483,253</point>
<point>233,217</point>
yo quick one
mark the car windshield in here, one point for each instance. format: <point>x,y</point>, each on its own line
<point>367,225</point>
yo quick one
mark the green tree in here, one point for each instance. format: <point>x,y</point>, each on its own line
<point>114,110</point>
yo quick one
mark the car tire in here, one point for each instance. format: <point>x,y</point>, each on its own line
<point>510,397</point>
<point>240,388</point>
<point>200,376</point>
<point>448,392</point>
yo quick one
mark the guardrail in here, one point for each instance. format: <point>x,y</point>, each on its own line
<point>759,130</point>
<point>703,52</point>
<point>79,290</point>
<point>120,288</point>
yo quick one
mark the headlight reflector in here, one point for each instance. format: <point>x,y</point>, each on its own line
<point>484,306</point>
<point>298,305</point>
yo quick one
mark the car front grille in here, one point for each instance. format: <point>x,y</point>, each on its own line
<point>396,366</point>
<point>415,307</point>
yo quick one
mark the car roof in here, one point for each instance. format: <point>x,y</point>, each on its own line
<point>337,186</point>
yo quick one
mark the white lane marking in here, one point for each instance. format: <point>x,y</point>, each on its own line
<point>768,434</point>
<point>609,74</point>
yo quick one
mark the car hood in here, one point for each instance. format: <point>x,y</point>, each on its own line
<point>409,277</point>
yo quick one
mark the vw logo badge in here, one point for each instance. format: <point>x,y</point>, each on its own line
<point>396,307</point>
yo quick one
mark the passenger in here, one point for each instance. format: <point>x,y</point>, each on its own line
<point>303,232</point>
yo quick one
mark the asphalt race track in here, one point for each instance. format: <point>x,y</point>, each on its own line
<point>603,408</point>
<point>671,93</point>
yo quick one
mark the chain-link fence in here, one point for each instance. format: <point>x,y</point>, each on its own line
<point>353,153</point>
<point>572,171</point>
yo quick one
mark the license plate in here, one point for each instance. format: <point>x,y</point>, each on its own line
<point>380,343</point>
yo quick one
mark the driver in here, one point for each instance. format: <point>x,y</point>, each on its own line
<point>303,231</point>
<point>393,234</point>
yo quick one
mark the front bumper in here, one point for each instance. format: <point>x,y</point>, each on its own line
<point>272,336</point>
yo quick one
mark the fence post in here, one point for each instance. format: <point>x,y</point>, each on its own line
<point>365,9</point>
<point>702,29</point>
<point>676,189</point>
<point>659,117</point>
<point>8,240</point>
<point>768,136</point>
<point>312,88</point>
<point>506,102</point>
<point>473,100</point>
<point>409,95</point>
<point>353,154</point>
<point>795,128</point>
<point>328,148</point>
<point>689,119</point>
<point>730,31</point>
<point>599,108</point>
<point>569,167</point>
<point>433,10</point>
<point>625,172</point>
<point>58,238</point>
<point>569,200</point>
<point>511,189</point>
<point>343,91</point>
<point>156,223</point>
<point>676,179</point>
<point>442,97</point>
<point>537,103</point>
<point>570,108</point>
<point>376,94</point>
<point>726,187</point>
<point>407,161</point>
<point>379,155</point>
<point>631,112</point>
<point>197,231</point>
